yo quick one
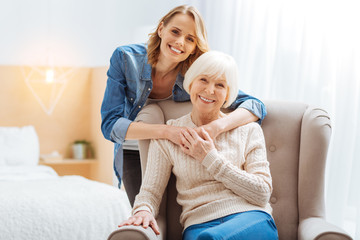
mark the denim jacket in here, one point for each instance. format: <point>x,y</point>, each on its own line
<point>128,87</point>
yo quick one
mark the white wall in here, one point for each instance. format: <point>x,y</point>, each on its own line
<point>74,32</point>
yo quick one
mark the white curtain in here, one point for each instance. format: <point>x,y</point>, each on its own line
<point>308,51</point>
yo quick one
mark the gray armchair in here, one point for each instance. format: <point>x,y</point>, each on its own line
<point>297,138</point>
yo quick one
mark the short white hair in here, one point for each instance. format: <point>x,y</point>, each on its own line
<point>215,64</point>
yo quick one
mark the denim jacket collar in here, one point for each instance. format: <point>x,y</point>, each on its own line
<point>179,81</point>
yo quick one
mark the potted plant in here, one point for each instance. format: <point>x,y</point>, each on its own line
<point>82,149</point>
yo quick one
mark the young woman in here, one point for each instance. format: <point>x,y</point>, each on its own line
<point>141,73</point>
<point>223,186</point>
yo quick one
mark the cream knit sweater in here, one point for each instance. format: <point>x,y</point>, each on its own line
<point>232,178</point>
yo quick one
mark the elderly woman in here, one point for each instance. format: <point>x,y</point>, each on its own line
<point>224,185</point>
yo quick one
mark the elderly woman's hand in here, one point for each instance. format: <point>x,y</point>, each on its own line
<point>174,134</point>
<point>196,145</point>
<point>143,218</point>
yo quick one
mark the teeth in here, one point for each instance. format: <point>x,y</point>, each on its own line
<point>206,100</point>
<point>175,50</point>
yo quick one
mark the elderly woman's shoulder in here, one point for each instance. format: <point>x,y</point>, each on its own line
<point>250,131</point>
<point>250,127</point>
<point>184,121</point>
<point>254,125</point>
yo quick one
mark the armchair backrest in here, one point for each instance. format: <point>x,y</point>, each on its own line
<point>297,138</point>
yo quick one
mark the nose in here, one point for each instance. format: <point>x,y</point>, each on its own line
<point>210,89</point>
<point>180,41</point>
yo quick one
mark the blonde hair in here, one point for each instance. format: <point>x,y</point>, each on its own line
<point>215,64</point>
<point>153,48</point>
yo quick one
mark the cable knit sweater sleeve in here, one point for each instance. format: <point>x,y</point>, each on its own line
<point>252,181</point>
<point>157,174</point>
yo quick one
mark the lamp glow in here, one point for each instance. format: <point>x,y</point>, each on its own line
<point>49,76</point>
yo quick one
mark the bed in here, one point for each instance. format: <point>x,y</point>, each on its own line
<point>36,203</point>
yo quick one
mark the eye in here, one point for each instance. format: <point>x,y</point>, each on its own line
<point>176,32</point>
<point>203,79</point>
<point>190,39</point>
<point>221,85</point>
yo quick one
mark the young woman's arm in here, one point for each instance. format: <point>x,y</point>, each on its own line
<point>113,120</point>
<point>141,130</point>
<point>250,103</point>
<point>238,117</point>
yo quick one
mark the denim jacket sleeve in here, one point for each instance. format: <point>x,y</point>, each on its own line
<point>114,124</point>
<point>251,104</point>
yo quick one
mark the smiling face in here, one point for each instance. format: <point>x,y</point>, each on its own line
<point>208,94</point>
<point>178,38</point>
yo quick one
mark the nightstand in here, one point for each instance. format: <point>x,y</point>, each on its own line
<point>72,166</point>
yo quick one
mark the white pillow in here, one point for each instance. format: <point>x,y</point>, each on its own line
<point>19,146</point>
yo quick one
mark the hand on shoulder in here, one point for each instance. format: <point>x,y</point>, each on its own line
<point>196,145</point>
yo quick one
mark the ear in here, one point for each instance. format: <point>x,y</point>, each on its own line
<point>226,98</point>
<point>160,29</point>
<point>227,94</point>
<point>190,86</point>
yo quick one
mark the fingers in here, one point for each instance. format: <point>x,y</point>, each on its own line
<point>184,142</point>
<point>139,221</point>
<point>205,134</point>
<point>145,221</point>
<point>193,133</point>
<point>155,227</point>
<point>190,135</point>
<point>130,221</point>
<point>187,138</point>
<point>190,138</point>
<point>187,135</point>
<point>185,149</point>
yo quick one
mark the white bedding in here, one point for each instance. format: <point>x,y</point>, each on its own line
<point>37,204</point>
<point>26,173</point>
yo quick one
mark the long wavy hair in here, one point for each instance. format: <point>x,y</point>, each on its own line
<point>153,48</point>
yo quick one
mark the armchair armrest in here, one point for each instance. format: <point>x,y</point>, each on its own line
<point>134,233</point>
<point>319,229</point>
